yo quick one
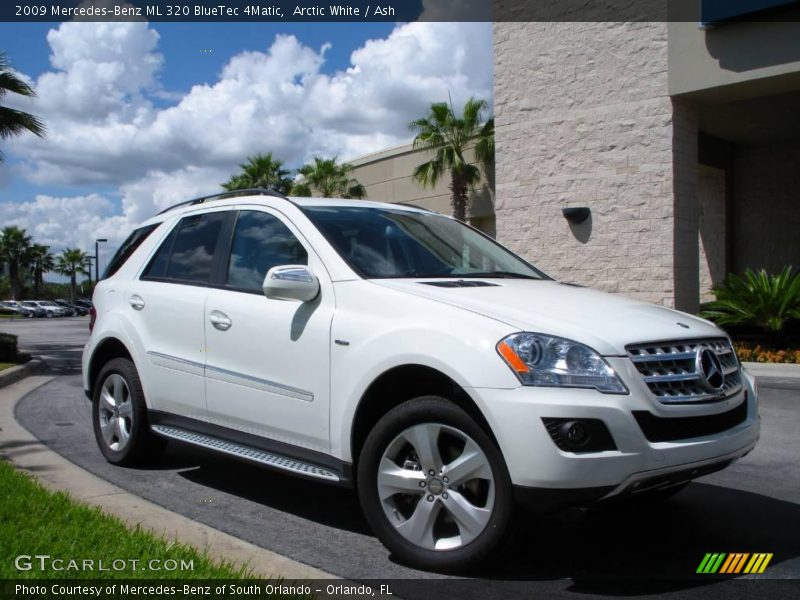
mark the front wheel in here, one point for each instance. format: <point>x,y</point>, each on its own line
<point>119,415</point>
<point>434,487</point>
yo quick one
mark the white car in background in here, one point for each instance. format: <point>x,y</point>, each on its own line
<point>407,354</point>
<point>51,309</point>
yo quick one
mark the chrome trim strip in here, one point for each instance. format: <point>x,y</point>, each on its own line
<point>176,359</point>
<point>233,377</point>
<point>258,383</point>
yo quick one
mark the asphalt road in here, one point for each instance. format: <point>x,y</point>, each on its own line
<point>754,506</point>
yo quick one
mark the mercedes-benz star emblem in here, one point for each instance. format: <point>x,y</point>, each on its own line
<point>709,369</point>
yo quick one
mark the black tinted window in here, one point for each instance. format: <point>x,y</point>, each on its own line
<point>260,242</point>
<point>188,252</point>
<point>127,248</point>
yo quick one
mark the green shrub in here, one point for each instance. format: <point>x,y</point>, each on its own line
<point>767,301</point>
<point>8,347</point>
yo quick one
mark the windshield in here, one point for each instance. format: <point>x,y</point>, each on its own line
<point>386,243</point>
<point>29,304</point>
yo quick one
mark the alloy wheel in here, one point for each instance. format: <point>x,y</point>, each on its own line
<point>436,486</point>
<point>116,412</point>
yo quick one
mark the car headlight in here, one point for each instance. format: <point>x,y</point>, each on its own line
<point>548,361</point>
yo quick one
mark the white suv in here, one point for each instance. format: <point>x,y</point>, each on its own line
<point>403,352</point>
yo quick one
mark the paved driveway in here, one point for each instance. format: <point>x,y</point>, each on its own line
<point>753,506</point>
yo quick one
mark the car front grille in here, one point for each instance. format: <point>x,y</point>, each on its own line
<point>675,373</point>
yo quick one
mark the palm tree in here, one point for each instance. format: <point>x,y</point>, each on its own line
<point>329,179</point>
<point>14,122</point>
<point>41,262</point>
<point>15,244</point>
<point>73,262</point>
<point>261,171</point>
<point>449,137</point>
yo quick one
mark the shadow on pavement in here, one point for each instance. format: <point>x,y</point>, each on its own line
<point>647,550</point>
<point>326,504</point>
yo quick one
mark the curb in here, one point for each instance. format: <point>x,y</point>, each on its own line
<point>786,371</point>
<point>53,471</point>
<point>15,374</point>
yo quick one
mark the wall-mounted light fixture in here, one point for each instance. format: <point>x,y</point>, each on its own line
<point>576,214</point>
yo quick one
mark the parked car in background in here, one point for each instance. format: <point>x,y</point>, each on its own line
<point>10,309</point>
<point>51,309</point>
<point>84,305</point>
<point>72,309</point>
<point>26,311</point>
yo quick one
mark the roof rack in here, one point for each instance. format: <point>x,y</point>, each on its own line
<point>230,194</point>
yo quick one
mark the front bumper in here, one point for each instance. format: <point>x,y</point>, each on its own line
<point>534,461</point>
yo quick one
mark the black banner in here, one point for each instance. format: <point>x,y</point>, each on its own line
<point>701,587</point>
<point>697,11</point>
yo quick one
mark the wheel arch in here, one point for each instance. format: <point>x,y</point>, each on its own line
<point>404,382</point>
<point>108,349</point>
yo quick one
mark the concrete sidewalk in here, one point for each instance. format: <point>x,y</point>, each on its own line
<point>53,471</point>
<point>784,371</point>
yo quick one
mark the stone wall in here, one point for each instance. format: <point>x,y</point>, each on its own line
<point>583,118</point>
<point>767,207</point>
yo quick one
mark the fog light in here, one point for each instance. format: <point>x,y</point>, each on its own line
<point>579,435</point>
<point>575,434</point>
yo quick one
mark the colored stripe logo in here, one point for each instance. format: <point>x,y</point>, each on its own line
<point>734,563</point>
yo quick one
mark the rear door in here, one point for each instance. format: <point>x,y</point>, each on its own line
<point>167,308</point>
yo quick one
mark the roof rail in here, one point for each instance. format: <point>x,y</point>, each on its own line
<point>229,194</point>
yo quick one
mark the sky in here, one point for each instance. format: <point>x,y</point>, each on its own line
<point>143,115</point>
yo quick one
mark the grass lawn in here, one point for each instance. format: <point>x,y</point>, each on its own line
<point>4,366</point>
<point>35,521</point>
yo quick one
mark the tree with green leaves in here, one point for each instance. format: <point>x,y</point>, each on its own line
<point>449,138</point>
<point>328,178</point>
<point>41,262</point>
<point>15,245</point>
<point>71,263</point>
<point>261,171</point>
<point>15,122</point>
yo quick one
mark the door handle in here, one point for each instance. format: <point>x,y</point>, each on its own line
<point>137,302</point>
<point>220,320</point>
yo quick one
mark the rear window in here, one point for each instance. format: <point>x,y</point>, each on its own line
<point>127,248</point>
<point>187,254</point>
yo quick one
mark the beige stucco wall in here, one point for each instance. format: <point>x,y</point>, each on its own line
<point>734,60</point>
<point>583,118</point>
<point>388,177</point>
<point>767,206</point>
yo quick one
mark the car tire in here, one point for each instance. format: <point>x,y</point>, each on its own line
<point>29,315</point>
<point>452,523</point>
<point>49,314</point>
<point>119,416</point>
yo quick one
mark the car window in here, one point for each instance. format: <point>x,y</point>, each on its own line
<point>127,248</point>
<point>260,241</point>
<point>188,252</point>
<point>380,243</point>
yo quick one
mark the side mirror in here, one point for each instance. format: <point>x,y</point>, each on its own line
<point>291,282</point>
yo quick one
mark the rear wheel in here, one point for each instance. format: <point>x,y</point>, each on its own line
<point>434,487</point>
<point>119,415</point>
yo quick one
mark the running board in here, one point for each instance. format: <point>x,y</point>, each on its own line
<point>276,461</point>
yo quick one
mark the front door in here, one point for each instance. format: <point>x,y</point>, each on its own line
<point>268,361</point>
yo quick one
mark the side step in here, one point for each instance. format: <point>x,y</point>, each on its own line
<point>276,461</point>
